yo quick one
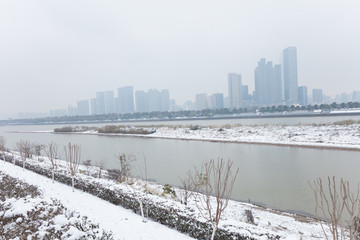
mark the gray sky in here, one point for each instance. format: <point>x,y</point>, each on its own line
<point>53,53</point>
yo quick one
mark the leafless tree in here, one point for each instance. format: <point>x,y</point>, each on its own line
<point>53,154</point>
<point>188,186</point>
<point>339,207</point>
<point>125,165</point>
<point>25,149</point>
<point>72,156</point>
<point>100,166</point>
<point>2,146</point>
<point>87,164</point>
<point>37,150</point>
<point>215,178</point>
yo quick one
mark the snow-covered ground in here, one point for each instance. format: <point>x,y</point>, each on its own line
<point>127,225</point>
<point>342,136</point>
<point>123,223</point>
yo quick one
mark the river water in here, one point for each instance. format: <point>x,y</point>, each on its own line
<point>275,176</point>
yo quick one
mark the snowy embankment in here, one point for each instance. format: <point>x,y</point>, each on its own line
<point>332,136</point>
<point>123,223</point>
<point>158,205</point>
<point>326,136</point>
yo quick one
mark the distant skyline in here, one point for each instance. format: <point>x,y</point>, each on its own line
<point>54,54</point>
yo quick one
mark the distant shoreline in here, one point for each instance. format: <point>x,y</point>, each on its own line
<point>319,146</point>
<point>220,117</point>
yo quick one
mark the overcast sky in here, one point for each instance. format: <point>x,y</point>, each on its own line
<point>53,53</point>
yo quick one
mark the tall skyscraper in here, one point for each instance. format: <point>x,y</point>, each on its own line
<point>235,91</point>
<point>201,101</point>
<point>165,100</point>
<point>303,95</point>
<point>142,102</point>
<point>83,107</point>
<point>100,103</point>
<point>154,99</point>
<point>125,100</point>
<point>216,101</point>
<point>93,106</point>
<point>290,75</point>
<point>268,87</point>
<point>109,102</point>
<point>317,95</point>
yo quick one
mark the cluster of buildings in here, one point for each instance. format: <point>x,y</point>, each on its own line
<point>107,103</point>
<point>275,84</point>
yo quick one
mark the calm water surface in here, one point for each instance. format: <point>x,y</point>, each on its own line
<point>274,176</point>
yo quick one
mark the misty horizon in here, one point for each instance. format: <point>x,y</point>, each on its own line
<point>55,54</point>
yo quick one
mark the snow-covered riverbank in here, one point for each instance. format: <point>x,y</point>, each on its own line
<point>124,224</point>
<point>332,136</point>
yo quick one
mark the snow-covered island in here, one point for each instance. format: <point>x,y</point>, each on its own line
<point>340,135</point>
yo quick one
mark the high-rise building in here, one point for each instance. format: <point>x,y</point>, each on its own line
<point>216,101</point>
<point>268,87</point>
<point>142,102</point>
<point>201,101</point>
<point>83,107</point>
<point>71,110</point>
<point>100,103</point>
<point>303,95</point>
<point>93,105</point>
<point>317,95</point>
<point>125,100</point>
<point>356,96</point>
<point>154,98</point>
<point>290,75</point>
<point>165,100</point>
<point>235,91</point>
<point>109,102</point>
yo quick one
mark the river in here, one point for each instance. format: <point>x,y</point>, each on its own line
<point>274,176</point>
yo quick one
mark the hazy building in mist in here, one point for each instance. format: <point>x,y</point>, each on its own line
<point>109,102</point>
<point>235,91</point>
<point>154,98</point>
<point>356,96</point>
<point>165,100</point>
<point>290,75</point>
<point>93,106</point>
<point>201,101</point>
<point>268,87</point>
<point>216,101</point>
<point>58,112</point>
<point>303,95</point>
<point>188,105</point>
<point>317,95</point>
<point>71,110</point>
<point>142,102</point>
<point>124,103</point>
<point>83,107</point>
<point>100,103</point>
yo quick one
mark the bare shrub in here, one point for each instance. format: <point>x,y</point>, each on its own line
<point>25,149</point>
<point>53,154</point>
<point>249,216</point>
<point>72,156</point>
<point>125,165</point>
<point>100,165</point>
<point>87,164</point>
<point>2,146</point>
<point>339,207</point>
<point>215,178</point>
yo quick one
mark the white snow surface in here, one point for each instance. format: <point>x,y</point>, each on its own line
<point>122,222</point>
<point>337,136</point>
<point>127,225</point>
